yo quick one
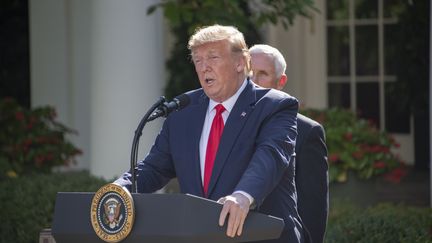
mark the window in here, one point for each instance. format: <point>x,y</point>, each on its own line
<point>361,56</point>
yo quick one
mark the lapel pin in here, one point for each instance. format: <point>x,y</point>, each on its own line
<point>243,114</point>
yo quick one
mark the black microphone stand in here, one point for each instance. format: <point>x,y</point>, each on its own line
<point>135,142</point>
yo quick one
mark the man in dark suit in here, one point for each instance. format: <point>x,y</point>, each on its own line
<point>252,166</point>
<point>311,174</point>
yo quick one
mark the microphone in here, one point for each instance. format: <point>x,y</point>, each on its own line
<point>158,109</point>
<point>166,108</point>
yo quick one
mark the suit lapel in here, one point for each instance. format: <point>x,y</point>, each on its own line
<point>236,120</point>
<point>196,125</point>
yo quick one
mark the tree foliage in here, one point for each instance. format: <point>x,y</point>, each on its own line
<point>184,16</point>
<point>413,47</point>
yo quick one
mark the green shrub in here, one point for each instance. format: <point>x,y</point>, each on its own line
<point>382,223</point>
<point>356,145</point>
<point>27,203</point>
<point>31,140</point>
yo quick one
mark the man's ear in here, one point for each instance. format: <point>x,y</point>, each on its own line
<point>241,65</point>
<point>282,81</point>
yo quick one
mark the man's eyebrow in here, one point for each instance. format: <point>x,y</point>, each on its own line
<point>213,52</point>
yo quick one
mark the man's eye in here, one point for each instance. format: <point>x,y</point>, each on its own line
<point>258,73</point>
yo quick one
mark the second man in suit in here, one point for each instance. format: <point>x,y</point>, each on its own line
<point>311,174</point>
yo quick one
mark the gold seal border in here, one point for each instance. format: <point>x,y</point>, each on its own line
<point>129,217</point>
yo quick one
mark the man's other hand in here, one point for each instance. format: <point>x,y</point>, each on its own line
<point>237,207</point>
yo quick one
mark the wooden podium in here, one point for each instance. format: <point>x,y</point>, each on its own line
<point>160,218</point>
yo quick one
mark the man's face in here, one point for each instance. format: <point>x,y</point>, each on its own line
<point>263,69</point>
<point>219,69</point>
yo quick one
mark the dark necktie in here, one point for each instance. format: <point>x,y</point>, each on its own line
<point>213,144</point>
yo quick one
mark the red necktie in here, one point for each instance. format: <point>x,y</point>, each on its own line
<point>213,144</point>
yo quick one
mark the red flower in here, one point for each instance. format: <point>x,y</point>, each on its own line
<point>358,154</point>
<point>33,119</point>
<point>39,160</point>
<point>31,122</point>
<point>26,144</point>
<point>366,147</point>
<point>385,149</point>
<point>348,136</point>
<point>19,116</point>
<point>333,158</point>
<point>395,175</point>
<point>41,140</point>
<point>376,149</point>
<point>379,164</point>
<point>49,157</point>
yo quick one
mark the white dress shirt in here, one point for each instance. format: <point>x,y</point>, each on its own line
<point>210,114</point>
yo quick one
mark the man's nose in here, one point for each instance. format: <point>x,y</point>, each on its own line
<point>204,66</point>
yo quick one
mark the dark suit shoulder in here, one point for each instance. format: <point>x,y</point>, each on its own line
<point>273,95</point>
<point>281,94</point>
<point>307,127</point>
<point>307,122</point>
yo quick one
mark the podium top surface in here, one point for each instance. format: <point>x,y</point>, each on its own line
<point>160,218</point>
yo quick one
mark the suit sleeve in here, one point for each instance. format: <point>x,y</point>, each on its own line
<point>155,171</point>
<point>312,183</point>
<point>274,150</point>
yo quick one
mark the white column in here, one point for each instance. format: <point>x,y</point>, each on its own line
<point>49,56</point>
<point>59,65</point>
<point>314,68</point>
<point>127,68</point>
<point>304,48</point>
<point>79,17</point>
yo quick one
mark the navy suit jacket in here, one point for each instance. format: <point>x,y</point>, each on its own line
<point>255,154</point>
<point>312,177</point>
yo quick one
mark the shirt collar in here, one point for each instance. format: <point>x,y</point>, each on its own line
<point>229,103</point>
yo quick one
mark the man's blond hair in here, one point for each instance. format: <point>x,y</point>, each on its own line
<point>216,33</point>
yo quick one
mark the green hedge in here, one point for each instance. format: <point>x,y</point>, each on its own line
<point>382,223</point>
<point>27,203</point>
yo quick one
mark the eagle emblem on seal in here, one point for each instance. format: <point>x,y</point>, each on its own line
<point>112,216</point>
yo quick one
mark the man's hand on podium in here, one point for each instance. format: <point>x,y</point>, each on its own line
<point>237,207</point>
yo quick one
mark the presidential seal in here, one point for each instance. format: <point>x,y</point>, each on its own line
<point>112,213</point>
